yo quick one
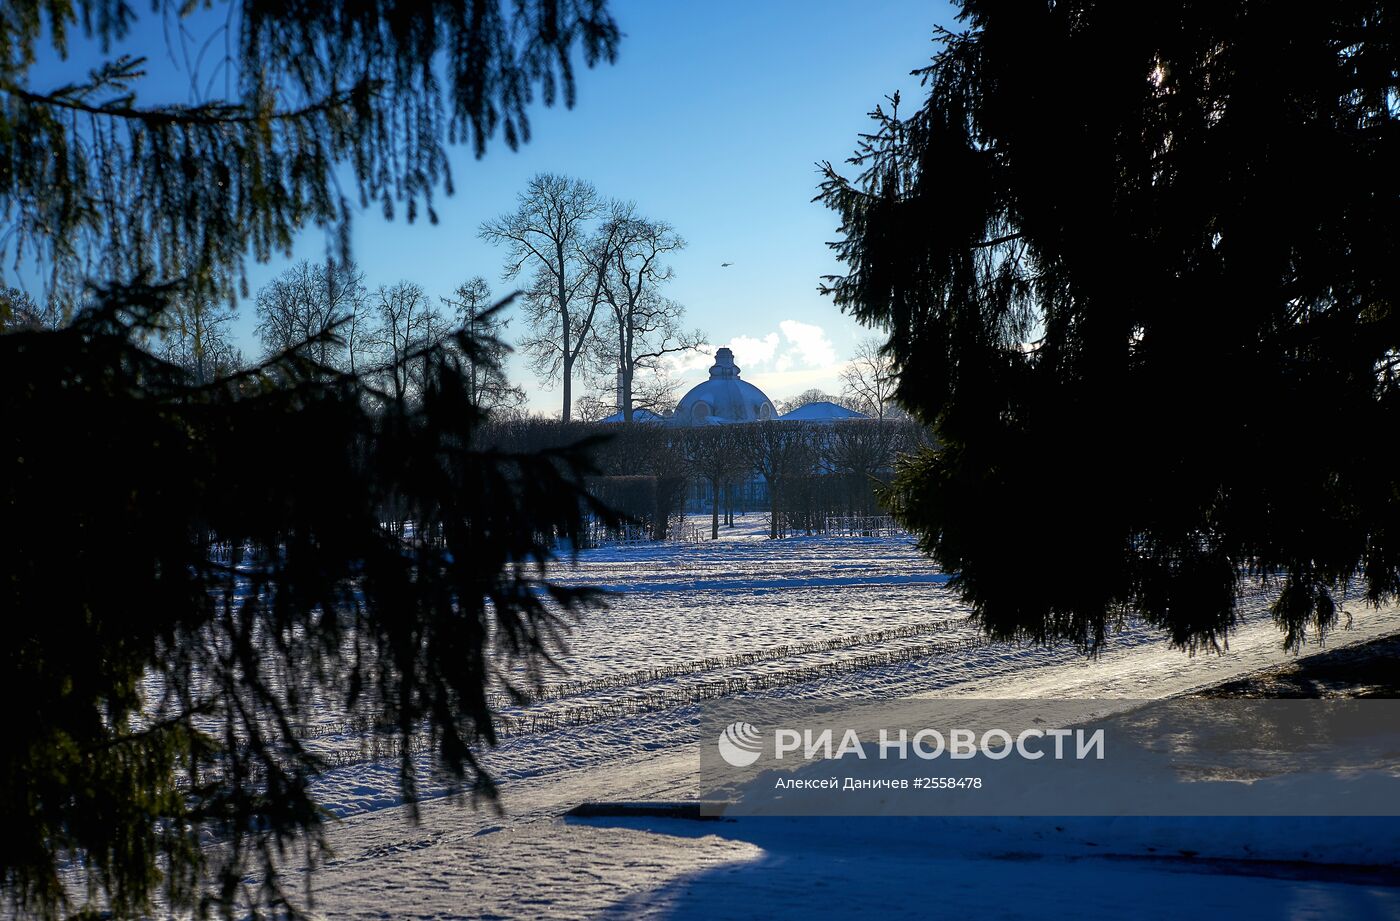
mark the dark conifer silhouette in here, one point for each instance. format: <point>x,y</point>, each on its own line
<point>206,558</point>
<point>1138,269</point>
<point>98,183</point>
<point>187,598</point>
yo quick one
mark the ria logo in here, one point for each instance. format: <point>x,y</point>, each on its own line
<point>740,744</point>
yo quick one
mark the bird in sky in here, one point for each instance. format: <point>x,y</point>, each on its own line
<point>725,265</point>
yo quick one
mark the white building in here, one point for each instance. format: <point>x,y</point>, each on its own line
<point>724,398</point>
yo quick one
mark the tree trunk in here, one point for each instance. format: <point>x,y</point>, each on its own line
<point>772,510</point>
<point>627,368</point>
<point>661,524</point>
<point>568,387</point>
<point>562,292</point>
<point>626,395</point>
<point>714,508</point>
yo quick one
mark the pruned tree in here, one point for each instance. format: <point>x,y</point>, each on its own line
<point>665,462</point>
<point>715,454</point>
<point>473,310</point>
<point>776,451</point>
<point>547,238</point>
<point>1133,301</point>
<point>641,325</point>
<point>868,380</point>
<point>308,300</point>
<point>863,452</point>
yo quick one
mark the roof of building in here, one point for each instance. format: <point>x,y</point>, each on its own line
<point>724,398</point>
<point>638,415</point>
<point>822,411</point>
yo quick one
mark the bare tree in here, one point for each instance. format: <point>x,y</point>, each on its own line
<point>408,322</point>
<point>869,379</point>
<point>195,335</point>
<point>486,379</point>
<point>593,406</point>
<point>348,296</point>
<point>654,393</point>
<point>18,310</point>
<point>806,397</point>
<point>641,326</point>
<point>308,299</point>
<point>547,236</point>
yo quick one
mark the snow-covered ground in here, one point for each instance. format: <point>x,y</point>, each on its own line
<point>819,617</point>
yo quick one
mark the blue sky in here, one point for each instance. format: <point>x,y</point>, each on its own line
<point>712,119</point>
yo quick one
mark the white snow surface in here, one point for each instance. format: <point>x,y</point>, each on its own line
<point>684,608</point>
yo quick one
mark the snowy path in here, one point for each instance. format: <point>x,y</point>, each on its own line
<point>714,599</point>
<point>803,873</point>
<point>531,864</point>
<point>671,869</point>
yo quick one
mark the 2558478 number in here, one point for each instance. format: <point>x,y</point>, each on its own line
<point>947,783</point>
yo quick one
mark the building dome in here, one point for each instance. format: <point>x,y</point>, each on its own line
<point>724,398</point>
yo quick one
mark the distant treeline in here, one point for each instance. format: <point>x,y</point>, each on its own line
<point>801,473</point>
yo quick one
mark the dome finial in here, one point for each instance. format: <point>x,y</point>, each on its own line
<point>724,367</point>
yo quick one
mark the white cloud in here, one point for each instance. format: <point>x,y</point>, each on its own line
<point>784,385</point>
<point>798,357</point>
<point>754,353</point>
<point>679,363</point>
<point>809,343</point>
